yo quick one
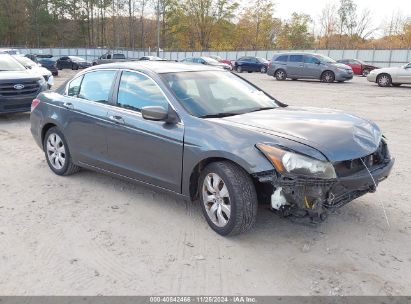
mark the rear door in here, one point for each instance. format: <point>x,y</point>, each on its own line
<point>149,151</point>
<point>295,66</point>
<point>86,102</point>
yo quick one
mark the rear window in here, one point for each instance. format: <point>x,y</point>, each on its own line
<point>282,58</point>
<point>296,58</point>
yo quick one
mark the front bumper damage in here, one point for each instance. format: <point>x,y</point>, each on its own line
<point>311,199</point>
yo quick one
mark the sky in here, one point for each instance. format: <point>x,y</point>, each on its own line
<point>382,9</point>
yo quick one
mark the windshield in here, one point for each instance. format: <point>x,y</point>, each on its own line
<point>262,60</point>
<point>326,59</point>
<point>8,63</point>
<point>25,61</point>
<point>216,94</point>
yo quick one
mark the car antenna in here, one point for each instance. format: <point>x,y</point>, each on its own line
<point>380,200</point>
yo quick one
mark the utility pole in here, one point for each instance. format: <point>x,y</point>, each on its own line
<point>158,28</point>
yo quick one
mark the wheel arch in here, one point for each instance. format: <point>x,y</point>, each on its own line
<point>381,74</point>
<point>199,167</point>
<point>327,70</point>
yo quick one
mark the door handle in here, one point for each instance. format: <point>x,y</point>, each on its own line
<point>68,105</point>
<point>116,119</point>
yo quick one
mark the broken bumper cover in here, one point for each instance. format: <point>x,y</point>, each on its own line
<point>313,197</point>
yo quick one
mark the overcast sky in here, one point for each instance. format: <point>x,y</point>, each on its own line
<point>382,9</point>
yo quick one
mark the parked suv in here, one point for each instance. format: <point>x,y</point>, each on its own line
<point>308,66</point>
<point>18,86</point>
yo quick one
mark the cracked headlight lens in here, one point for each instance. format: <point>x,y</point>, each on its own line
<point>286,161</point>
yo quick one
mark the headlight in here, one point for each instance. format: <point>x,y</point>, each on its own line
<point>286,161</point>
<point>42,81</point>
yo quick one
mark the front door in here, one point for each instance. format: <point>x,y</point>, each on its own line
<point>312,67</point>
<point>149,151</point>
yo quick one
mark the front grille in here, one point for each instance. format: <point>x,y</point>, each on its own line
<point>349,167</point>
<point>8,89</point>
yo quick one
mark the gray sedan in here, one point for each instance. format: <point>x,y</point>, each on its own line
<point>394,76</point>
<point>207,134</point>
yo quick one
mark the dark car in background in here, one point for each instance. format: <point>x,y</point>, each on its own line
<point>359,67</point>
<point>207,61</point>
<point>18,86</point>
<point>49,63</point>
<point>207,134</point>
<point>72,62</point>
<point>251,64</point>
<point>308,66</point>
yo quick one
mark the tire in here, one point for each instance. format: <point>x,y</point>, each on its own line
<point>53,143</point>
<point>328,77</point>
<point>280,75</point>
<point>263,70</point>
<point>396,84</point>
<point>365,72</point>
<point>239,69</point>
<point>384,80</point>
<point>239,198</point>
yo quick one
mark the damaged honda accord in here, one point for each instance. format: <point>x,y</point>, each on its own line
<point>211,136</point>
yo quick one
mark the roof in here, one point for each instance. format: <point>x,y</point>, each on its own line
<point>159,67</point>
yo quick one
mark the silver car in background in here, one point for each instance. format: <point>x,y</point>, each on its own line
<point>394,76</point>
<point>308,66</point>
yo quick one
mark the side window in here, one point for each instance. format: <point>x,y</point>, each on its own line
<point>282,58</point>
<point>74,86</point>
<point>310,59</point>
<point>296,58</point>
<point>137,91</point>
<point>109,56</point>
<point>96,85</point>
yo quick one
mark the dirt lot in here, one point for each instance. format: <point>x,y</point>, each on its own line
<point>91,234</point>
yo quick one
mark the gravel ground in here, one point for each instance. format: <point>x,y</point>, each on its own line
<point>90,234</point>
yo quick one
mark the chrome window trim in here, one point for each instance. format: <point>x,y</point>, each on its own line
<point>116,107</point>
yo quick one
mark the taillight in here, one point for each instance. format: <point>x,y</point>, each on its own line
<point>34,104</point>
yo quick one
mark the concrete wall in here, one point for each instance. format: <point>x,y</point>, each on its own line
<point>382,58</point>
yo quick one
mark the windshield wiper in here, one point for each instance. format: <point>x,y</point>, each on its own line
<point>219,115</point>
<point>261,109</point>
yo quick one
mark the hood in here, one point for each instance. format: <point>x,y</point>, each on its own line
<point>40,71</point>
<point>337,135</point>
<point>18,75</point>
<point>388,70</point>
<point>341,66</point>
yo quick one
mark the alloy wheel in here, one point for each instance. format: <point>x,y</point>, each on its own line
<point>56,152</point>
<point>216,199</point>
<point>384,80</point>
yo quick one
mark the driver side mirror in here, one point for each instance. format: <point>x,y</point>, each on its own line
<point>159,113</point>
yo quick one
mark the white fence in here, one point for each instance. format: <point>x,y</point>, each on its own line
<point>382,58</point>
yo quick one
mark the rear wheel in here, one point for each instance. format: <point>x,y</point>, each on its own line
<point>57,153</point>
<point>328,77</point>
<point>384,80</point>
<point>228,198</point>
<point>280,75</point>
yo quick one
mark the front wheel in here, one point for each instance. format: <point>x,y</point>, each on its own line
<point>239,69</point>
<point>57,153</point>
<point>263,70</point>
<point>228,198</point>
<point>384,80</point>
<point>328,77</point>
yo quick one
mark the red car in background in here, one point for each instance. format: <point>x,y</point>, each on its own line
<point>219,59</point>
<point>359,67</point>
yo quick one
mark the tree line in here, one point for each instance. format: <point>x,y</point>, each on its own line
<point>193,25</point>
